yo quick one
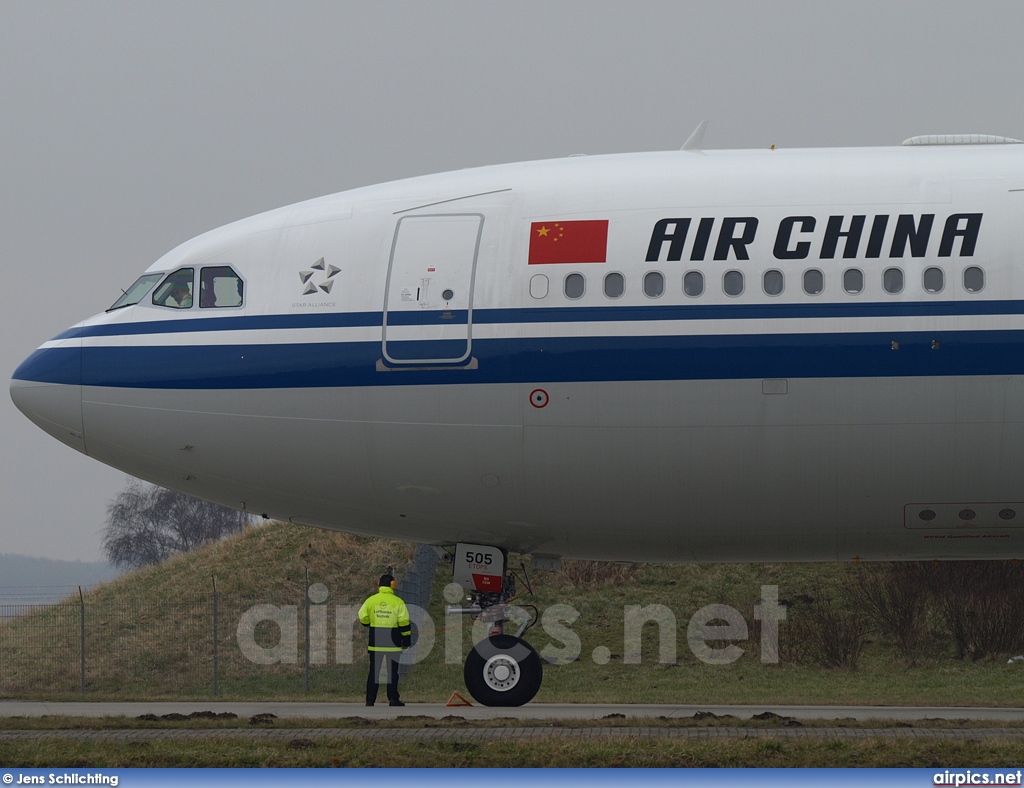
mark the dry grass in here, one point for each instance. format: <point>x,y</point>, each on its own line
<point>150,634</point>
<point>151,629</point>
<point>590,575</point>
<point>533,753</point>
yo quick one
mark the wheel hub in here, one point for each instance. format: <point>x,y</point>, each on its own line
<point>501,672</point>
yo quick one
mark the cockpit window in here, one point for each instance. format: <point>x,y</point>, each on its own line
<point>176,290</point>
<point>137,291</point>
<point>219,286</point>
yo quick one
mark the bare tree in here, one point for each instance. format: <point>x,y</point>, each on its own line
<point>147,525</point>
<point>895,598</point>
<point>982,605</point>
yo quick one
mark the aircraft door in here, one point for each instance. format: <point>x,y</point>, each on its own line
<point>428,301</point>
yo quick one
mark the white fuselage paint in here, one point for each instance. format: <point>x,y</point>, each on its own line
<point>778,452</point>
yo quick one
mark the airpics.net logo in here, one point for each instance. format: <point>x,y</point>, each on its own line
<point>269,634</point>
<point>975,777</point>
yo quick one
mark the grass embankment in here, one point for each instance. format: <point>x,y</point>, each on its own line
<point>149,634</point>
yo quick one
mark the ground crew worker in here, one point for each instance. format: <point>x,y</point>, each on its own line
<point>388,619</point>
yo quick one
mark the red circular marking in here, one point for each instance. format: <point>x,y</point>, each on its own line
<point>539,398</point>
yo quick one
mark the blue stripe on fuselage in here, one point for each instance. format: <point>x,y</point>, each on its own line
<point>599,314</point>
<point>52,365</point>
<point>558,359</point>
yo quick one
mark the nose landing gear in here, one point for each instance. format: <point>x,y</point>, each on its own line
<point>503,670</point>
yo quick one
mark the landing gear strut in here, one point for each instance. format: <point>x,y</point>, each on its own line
<point>503,670</point>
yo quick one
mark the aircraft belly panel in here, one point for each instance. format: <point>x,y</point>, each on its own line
<point>653,470</point>
<point>269,448</point>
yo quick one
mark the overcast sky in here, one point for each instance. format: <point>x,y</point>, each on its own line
<point>129,127</point>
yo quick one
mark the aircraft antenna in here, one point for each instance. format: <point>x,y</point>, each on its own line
<point>694,140</point>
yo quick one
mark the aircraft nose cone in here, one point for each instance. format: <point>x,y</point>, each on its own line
<point>47,388</point>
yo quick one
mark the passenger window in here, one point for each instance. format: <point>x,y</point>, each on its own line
<point>575,286</point>
<point>853,281</point>
<point>974,279</point>
<point>892,280</point>
<point>176,291</point>
<point>693,283</point>
<point>539,286</point>
<point>654,284</point>
<point>219,286</point>
<point>814,281</point>
<point>772,282</point>
<point>732,283</point>
<point>934,280</point>
<point>614,285</point>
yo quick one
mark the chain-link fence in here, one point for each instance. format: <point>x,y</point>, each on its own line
<point>193,643</point>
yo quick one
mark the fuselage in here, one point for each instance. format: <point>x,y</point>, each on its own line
<point>713,356</point>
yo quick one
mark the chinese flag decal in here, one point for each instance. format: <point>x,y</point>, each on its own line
<point>569,242</point>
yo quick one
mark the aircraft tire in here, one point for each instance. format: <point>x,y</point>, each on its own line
<point>503,671</point>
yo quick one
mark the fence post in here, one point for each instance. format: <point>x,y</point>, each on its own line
<point>216,665</point>
<point>81,599</point>
<point>307,629</point>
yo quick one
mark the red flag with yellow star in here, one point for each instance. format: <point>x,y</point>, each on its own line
<point>569,242</point>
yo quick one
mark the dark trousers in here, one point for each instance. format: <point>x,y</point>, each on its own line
<point>372,680</point>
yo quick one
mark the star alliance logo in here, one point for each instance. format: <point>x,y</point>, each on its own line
<point>325,276</point>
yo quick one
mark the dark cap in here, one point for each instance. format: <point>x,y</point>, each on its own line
<point>386,580</point>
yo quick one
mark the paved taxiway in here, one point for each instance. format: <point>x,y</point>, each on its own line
<point>532,711</point>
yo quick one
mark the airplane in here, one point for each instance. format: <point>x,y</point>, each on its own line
<point>693,355</point>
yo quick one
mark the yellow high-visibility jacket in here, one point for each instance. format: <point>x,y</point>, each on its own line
<point>388,619</point>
